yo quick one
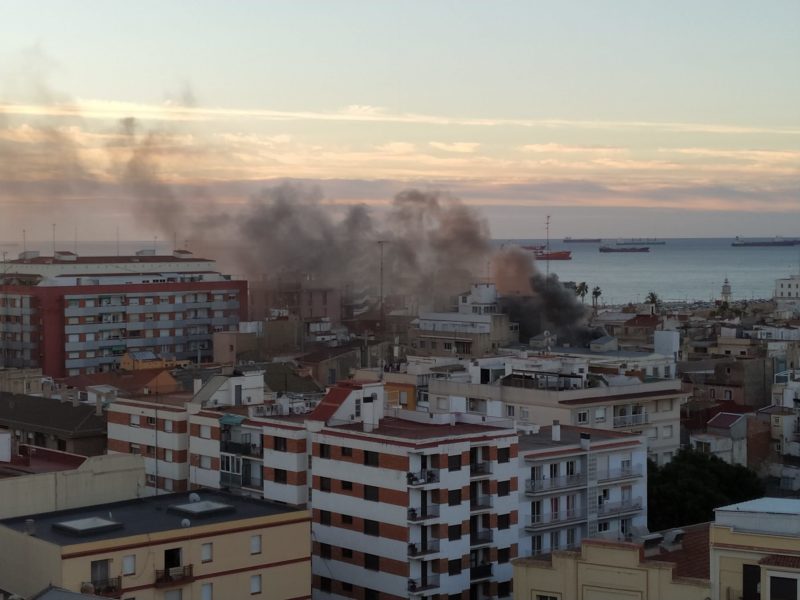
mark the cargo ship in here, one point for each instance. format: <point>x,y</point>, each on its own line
<point>543,253</point>
<point>641,241</point>
<point>775,242</point>
<point>626,249</point>
<point>569,240</point>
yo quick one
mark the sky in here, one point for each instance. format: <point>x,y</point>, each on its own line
<point>618,118</point>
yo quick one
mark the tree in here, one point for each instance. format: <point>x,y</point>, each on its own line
<point>652,298</point>
<point>688,489</point>
<point>596,293</point>
<point>581,290</point>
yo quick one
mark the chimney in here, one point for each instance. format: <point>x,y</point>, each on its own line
<point>368,413</point>
<point>556,429</point>
<point>98,405</point>
<point>198,383</point>
<point>30,527</point>
<point>586,441</point>
<point>74,396</point>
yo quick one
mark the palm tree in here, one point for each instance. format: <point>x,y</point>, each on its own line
<point>596,293</point>
<point>581,290</point>
<point>652,298</point>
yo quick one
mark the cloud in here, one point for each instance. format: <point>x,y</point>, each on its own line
<point>396,148</point>
<point>457,147</point>
<point>552,148</point>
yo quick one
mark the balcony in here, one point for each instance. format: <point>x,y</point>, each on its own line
<point>423,513</point>
<point>550,520</point>
<point>174,576</point>
<point>480,573</point>
<point>478,470</point>
<point>416,586</point>
<point>480,502</point>
<point>241,448</point>
<point>536,486</point>
<point>481,538</point>
<point>616,508</point>
<point>230,480</point>
<point>419,549</point>
<point>621,473</point>
<point>422,478</point>
<point>621,421</point>
<point>108,588</point>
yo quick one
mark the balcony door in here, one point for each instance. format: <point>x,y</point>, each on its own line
<point>100,572</point>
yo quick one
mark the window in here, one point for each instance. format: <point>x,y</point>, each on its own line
<point>503,521</point>
<point>454,497</point>
<point>207,591</point>
<point>135,420</point>
<point>503,488</point>
<point>281,477</point>
<point>129,564</point>
<point>503,455</point>
<point>324,483</point>
<point>583,417</point>
<point>652,433</point>
<point>503,589</point>
<point>602,526</point>
<point>168,426</point>
<point>205,462</point>
<point>454,566</point>
<point>371,562</point>
<point>255,544</point>
<point>371,594</point>
<point>151,420</point>
<point>666,431</point>
<point>173,595</point>
<point>347,553</point>
<point>347,486</point>
<point>371,458</point>
<point>782,588</point>
<point>571,538</point>
<point>325,584</point>
<point>347,520</point>
<point>347,451</point>
<point>371,527</point>
<point>545,597</point>
<point>503,555</point>
<point>325,550</point>
<point>168,484</point>
<point>600,414</point>
<point>325,517</point>
<point>370,493</point>
<point>168,455</point>
<point>255,584</point>
<point>205,432</point>
<point>510,410</point>
<point>279,444</point>
<point>135,449</point>
<point>454,462</point>
<point>207,552</point>
<point>324,451</point>
<point>454,532</point>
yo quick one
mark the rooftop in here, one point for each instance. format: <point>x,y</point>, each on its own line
<point>99,260</point>
<point>724,420</point>
<point>143,516</point>
<point>692,558</point>
<point>32,460</point>
<point>570,436</point>
<point>57,593</point>
<point>777,506</point>
<point>413,430</point>
<point>48,415</point>
<point>132,382</point>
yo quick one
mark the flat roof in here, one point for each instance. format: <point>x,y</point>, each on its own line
<point>778,506</point>
<point>570,436</point>
<point>140,516</point>
<point>413,430</point>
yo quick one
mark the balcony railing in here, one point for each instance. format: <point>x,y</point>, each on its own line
<point>109,588</point>
<point>480,502</point>
<point>550,519</point>
<point>613,508</point>
<point>416,549</point>
<point>480,538</point>
<point>621,473</point>
<point>480,469</point>
<point>423,477</point>
<point>480,572</point>
<point>423,513</point>
<point>631,420</point>
<point>229,480</point>
<point>533,486</point>
<point>415,586</point>
<point>174,576</point>
<point>241,448</point>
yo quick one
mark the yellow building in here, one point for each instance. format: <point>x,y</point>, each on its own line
<point>140,360</point>
<point>206,546</point>
<point>615,570</point>
<point>755,550</point>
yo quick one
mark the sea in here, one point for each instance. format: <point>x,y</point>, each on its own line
<point>682,270</point>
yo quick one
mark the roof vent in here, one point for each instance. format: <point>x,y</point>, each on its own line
<point>186,523</point>
<point>30,527</point>
<point>193,497</point>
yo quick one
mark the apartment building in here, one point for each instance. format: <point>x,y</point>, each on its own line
<point>476,328</point>
<point>579,483</point>
<point>755,551</point>
<point>208,546</point>
<point>70,314</point>
<point>575,390</point>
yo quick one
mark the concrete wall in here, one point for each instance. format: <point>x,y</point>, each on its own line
<point>27,564</point>
<point>98,480</point>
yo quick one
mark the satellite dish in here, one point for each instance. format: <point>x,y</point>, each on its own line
<point>186,523</point>
<point>194,497</point>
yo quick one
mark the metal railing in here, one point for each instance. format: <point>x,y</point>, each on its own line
<point>481,537</point>
<point>420,585</point>
<point>423,477</point>
<point>422,513</point>
<point>612,508</point>
<point>228,480</point>
<point>562,516</point>
<point>480,572</point>
<point>174,576</point>
<point>241,448</point>
<point>421,549</point>
<point>481,502</point>
<point>479,469</point>
<point>110,588</point>
<point>631,420</point>
<point>555,483</point>
<point>621,473</point>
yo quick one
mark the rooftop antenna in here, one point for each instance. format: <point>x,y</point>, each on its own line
<point>76,238</point>
<point>381,243</point>
<point>24,243</point>
<point>54,239</point>
<point>117,240</point>
<point>547,249</point>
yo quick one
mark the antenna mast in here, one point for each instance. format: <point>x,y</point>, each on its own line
<point>547,248</point>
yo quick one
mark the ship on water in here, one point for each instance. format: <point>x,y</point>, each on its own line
<point>625,249</point>
<point>544,253</point>
<point>570,240</point>
<point>641,242</point>
<point>774,242</point>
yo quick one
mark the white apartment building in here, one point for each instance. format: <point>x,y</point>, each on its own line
<point>578,483</point>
